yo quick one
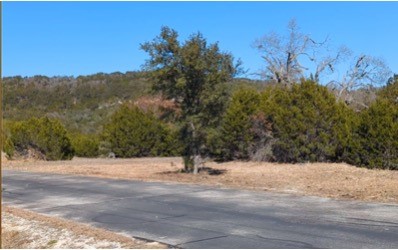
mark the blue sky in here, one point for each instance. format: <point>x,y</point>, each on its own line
<point>79,38</point>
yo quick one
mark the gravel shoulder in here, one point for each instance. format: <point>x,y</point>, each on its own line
<point>25,229</point>
<point>340,181</point>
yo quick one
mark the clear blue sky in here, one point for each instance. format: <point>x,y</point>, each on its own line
<point>79,38</point>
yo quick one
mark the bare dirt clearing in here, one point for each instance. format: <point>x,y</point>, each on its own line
<point>320,179</point>
<point>25,229</point>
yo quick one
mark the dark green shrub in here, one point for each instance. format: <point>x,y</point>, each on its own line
<point>47,136</point>
<point>376,134</point>
<point>133,133</point>
<point>377,137</point>
<point>307,123</point>
<point>236,129</point>
<point>85,145</point>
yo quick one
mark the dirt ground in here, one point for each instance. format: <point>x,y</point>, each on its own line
<point>24,229</point>
<point>333,180</point>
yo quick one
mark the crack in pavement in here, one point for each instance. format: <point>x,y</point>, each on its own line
<point>194,241</point>
<point>305,244</point>
<point>377,221</point>
<point>341,222</point>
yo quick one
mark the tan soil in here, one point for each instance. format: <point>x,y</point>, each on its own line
<point>333,180</point>
<point>3,157</point>
<point>25,229</point>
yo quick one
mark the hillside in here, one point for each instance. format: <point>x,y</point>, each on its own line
<point>82,103</point>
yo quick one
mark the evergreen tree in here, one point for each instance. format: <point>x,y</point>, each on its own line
<point>192,74</point>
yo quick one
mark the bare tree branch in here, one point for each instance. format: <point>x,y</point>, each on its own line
<point>367,71</point>
<point>289,58</point>
<point>283,55</point>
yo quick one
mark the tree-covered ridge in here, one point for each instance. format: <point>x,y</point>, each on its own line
<point>81,103</point>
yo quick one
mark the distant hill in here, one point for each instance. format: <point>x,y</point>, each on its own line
<point>82,103</point>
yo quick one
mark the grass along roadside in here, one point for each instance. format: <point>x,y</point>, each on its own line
<point>25,229</point>
<point>333,180</point>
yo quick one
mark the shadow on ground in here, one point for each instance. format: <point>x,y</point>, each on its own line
<point>203,170</point>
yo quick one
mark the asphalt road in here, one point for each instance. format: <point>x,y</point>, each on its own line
<point>192,216</point>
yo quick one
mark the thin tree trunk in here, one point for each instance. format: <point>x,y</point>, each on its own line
<point>195,148</point>
<point>188,164</point>
<point>197,163</point>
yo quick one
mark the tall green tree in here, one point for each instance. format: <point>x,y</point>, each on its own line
<point>192,74</point>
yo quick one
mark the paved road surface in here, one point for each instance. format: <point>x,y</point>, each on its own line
<point>192,216</point>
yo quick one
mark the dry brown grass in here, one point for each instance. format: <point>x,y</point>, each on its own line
<point>25,229</point>
<point>11,239</point>
<point>320,179</point>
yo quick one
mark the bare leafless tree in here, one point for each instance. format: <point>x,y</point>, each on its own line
<point>283,55</point>
<point>326,63</point>
<point>365,72</point>
<point>292,57</point>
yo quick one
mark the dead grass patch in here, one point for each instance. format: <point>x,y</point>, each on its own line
<point>11,239</point>
<point>333,180</point>
<point>25,229</point>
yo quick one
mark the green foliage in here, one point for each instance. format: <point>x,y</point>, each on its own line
<point>45,135</point>
<point>377,133</point>
<point>192,74</point>
<point>133,133</point>
<point>85,145</point>
<point>7,145</point>
<point>236,130</point>
<point>390,92</point>
<point>307,122</point>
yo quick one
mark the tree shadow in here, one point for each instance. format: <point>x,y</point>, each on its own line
<point>212,171</point>
<point>208,170</point>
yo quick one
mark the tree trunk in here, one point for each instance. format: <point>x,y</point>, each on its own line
<point>192,163</point>
<point>188,164</point>
<point>196,159</point>
<point>197,163</point>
